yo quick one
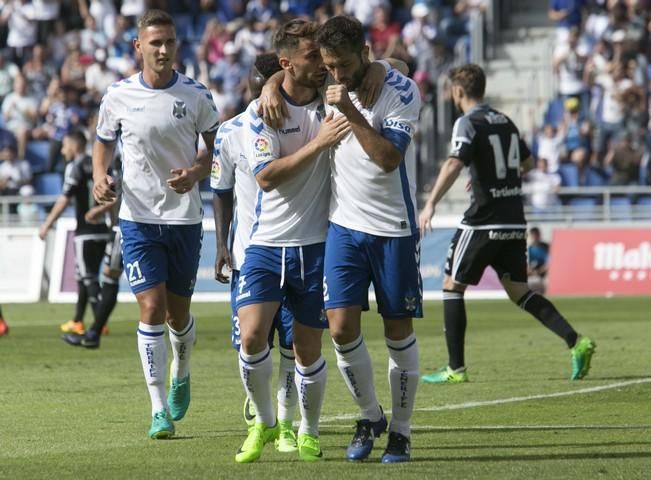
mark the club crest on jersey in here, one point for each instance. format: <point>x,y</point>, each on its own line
<point>179,109</point>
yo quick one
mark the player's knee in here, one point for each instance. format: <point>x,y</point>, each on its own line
<point>398,329</point>
<point>252,343</point>
<point>151,311</point>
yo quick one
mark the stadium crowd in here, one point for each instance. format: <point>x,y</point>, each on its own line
<point>57,57</point>
<point>596,131</point>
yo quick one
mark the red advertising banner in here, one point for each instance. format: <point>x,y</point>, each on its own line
<point>600,262</point>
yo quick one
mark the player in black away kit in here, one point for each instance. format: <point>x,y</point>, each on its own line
<point>493,230</point>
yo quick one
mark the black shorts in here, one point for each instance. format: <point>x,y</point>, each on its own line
<point>471,251</point>
<point>113,252</point>
<point>89,251</point>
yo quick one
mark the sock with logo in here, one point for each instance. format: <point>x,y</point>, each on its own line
<point>546,313</point>
<point>256,371</point>
<point>153,356</point>
<point>454,317</point>
<point>82,300</point>
<point>182,343</point>
<point>310,384</point>
<point>355,366</point>
<point>403,380</point>
<point>287,397</point>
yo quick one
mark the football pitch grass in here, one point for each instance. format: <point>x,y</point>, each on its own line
<point>73,413</point>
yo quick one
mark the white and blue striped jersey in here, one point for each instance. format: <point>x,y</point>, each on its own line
<point>296,212</point>
<point>364,197</point>
<point>230,171</point>
<point>158,130</point>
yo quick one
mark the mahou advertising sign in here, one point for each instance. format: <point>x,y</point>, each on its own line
<point>600,262</point>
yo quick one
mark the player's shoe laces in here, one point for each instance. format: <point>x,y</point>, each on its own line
<point>73,327</point>
<point>446,375</point>
<point>178,397</point>
<point>365,434</point>
<point>161,425</point>
<point>581,357</point>
<point>259,436</point>
<point>4,328</point>
<point>286,441</point>
<point>309,448</point>
<point>397,449</point>
<point>249,412</point>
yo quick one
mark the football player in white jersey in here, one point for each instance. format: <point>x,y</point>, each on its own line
<point>285,255</point>
<point>231,173</point>
<point>373,236</point>
<point>157,115</point>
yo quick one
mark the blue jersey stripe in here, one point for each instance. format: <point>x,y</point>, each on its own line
<point>258,210</point>
<point>411,211</point>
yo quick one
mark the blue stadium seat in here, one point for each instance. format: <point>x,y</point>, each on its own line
<point>48,184</point>
<point>644,169</point>
<point>583,208</point>
<point>569,173</point>
<point>643,207</point>
<point>555,111</point>
<point>621,208</point>
<point>37,154</point>
<point>596,178</point>
<point>184,27</point>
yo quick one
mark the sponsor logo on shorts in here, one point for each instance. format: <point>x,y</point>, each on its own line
<point>513,235</point>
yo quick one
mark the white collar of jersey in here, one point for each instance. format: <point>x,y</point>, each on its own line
<point>175,77</point>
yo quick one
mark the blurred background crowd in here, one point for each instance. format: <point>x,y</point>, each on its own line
<point>57,57</point>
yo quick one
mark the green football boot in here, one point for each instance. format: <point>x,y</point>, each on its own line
<point>286,441</point>
<point>446,375</point>
<point>309,448</point>
<point>178,397</point>
<point>581,357</point>
<point>161,426</point>
<point>259,436</point>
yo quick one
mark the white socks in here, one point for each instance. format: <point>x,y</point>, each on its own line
<point>287,397</point>
<point>311,383</point>
<point>355,366</point>
<point>403,380</point>
<point>153,356</point>
<point>182,343</point>
<point>256,372</point>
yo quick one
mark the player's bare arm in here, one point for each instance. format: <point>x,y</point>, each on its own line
<point>527,165</point>
<point>182,180</point>
<point>103,183</point>
<point>332,130</point>
<point>223,214</point>
<point>447,176</point>
<point>58,208</point>
<point>378,148</point>
<point>95,214</point>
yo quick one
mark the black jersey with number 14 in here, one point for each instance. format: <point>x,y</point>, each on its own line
<point>489,143</point>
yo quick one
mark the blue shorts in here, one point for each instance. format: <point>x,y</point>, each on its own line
<point>276,274</point>
<point>354,259</point>
<point>283,321</point>
<point>154,254</point>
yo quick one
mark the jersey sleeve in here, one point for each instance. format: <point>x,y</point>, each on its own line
<point>71,179</point>
<point>108,123</point>
<point>222,173</point>
<point>265,145</point>
<point>463,135</point>
<point>401,117</point>
<point>208,117</point>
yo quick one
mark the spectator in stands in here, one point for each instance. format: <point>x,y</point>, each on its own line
<point>417,33</point>
<point>567,14</point>
<point>213,40</point>
<point>38,72</point>
<point>27,210</point>
<point>226,104</point>
<point>14,173</point>
<point>624,28</point>
<point>568,63</point>
<point>103,11</point>
<point>538,260</point>
<point>20,112</point>
<point>8,71</point>
<point>623,161</point>
<point>73,71</point>
<point>542,187</point>
<point>596,22</point>
<point>132,10</point>
<point>227,10</point>
<point>364,10</point>
<point>261,13</point>
<point>20,16</point>
<point>233,72</point>
<point>576,134</point>
<point>384,34</point>
<point>7,139</point>
<point>91,37</point>
<point>99,77</point>
<point>550,146</point>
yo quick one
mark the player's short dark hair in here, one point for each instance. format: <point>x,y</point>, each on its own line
<point>155,18</point>
<point>290,33</point>
<point>266,64</point>
<point>341,33</point>
<point>78,137</point>
<point>471,78</point>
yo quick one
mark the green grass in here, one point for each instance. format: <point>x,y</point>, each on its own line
<point>72,413</point>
